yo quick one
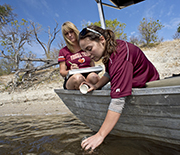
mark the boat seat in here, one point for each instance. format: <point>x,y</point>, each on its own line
<point>172,81</point>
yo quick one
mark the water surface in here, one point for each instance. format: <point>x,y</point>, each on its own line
<point>62,134</point>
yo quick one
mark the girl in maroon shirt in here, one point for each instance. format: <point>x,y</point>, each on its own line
<point>72,57</point>
<point>126,67</point>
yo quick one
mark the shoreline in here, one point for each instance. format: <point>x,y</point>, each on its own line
<point>40,99</point>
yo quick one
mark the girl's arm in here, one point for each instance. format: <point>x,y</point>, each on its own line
<point>103,81</point>
<point>63,69</point>
<point>109,123</point>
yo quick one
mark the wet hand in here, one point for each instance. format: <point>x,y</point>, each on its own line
<point>92,142</point>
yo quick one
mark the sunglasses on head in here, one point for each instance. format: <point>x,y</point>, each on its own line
<point>85,31</point>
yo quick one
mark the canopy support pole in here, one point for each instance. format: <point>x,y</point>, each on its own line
<point>101,13</point>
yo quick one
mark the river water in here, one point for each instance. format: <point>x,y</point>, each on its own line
<point>62,134</point>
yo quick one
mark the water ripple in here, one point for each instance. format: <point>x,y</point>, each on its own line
<point>62,134</point>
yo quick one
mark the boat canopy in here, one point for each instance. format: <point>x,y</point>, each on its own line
<point>117,4</point>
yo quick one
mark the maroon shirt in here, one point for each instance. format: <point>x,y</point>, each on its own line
<point>80,58</point>
<point>128,68</point>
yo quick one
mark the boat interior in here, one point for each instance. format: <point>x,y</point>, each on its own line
<point>170,81</point>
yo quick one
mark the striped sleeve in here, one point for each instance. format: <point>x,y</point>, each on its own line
<point>62,54</point>
<point>61,58</point>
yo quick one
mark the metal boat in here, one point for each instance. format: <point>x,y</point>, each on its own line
<point>152,112</point>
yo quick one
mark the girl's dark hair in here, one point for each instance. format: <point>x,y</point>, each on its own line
<point>109,37</point>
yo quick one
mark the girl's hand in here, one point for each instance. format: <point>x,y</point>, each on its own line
<point>91,86</point>
<point>92,142</point>
<point>74,66</point>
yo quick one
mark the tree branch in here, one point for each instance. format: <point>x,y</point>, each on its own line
<point>37,59</point>
<point>39,67</point>
<point>35,33</point>
<point>54,36</point>
<point>6,56</point>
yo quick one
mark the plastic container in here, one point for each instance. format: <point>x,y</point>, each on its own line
<point>84,89</point>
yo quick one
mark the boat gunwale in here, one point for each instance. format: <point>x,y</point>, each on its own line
<point>135,91</point>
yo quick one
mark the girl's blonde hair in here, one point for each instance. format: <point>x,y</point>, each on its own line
<point>68,26</point>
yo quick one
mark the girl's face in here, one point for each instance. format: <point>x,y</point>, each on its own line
<point>94,49</point>
<point>70,35</point>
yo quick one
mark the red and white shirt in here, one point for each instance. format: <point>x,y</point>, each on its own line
<point>80,58</point>
<point>129,68</point>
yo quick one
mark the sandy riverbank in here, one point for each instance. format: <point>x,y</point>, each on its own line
<point>40,99</point>
<point>37,101</point>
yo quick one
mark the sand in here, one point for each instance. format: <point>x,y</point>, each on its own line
<point>37,101</point>
<point>40,99</point>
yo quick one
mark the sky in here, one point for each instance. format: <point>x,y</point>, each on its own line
<point>46,12</point>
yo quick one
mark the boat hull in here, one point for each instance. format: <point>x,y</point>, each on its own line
<point>152,113</point>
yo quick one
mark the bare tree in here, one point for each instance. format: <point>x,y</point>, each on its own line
<point>13,39</point>
<point>51,38</point>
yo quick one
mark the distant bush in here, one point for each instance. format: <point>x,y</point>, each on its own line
<point>177,34</point>
<point>150,45</point>
<point>134,40</point>
<point>148,30</point>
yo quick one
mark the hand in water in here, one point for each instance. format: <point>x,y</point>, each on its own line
<point>92,142</point>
